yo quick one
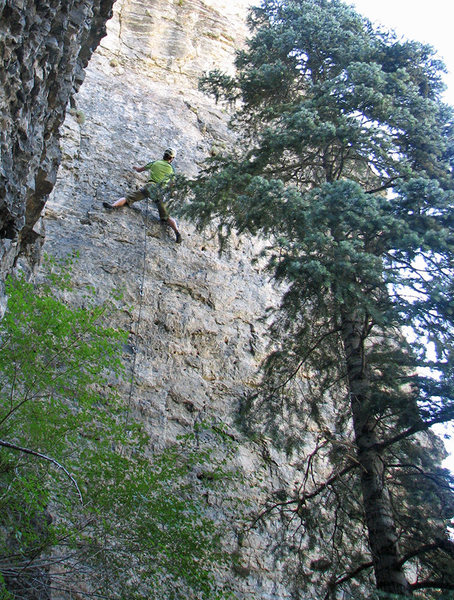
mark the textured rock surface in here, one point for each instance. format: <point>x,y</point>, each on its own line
<point>196,339</point>
<point>44,47</point>
<point>195,329</point>
<point>176,41</point>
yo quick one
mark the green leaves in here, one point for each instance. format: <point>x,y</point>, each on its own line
<point>79,485</point>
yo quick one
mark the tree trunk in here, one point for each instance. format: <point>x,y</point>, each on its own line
<point>378,511</point>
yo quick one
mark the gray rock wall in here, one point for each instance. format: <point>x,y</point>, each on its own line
<point>195,330</point>
<point>196,339</point>
<point>44,47</point>
<point>196,335</point>
<point>176,41</point>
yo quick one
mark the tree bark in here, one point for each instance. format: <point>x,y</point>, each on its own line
<point>382,533</point>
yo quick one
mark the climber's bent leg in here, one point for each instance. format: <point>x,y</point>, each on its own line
<point>129,199</point>
<point>167,219</point>
<point>135,196</point>
<point>173,225</point>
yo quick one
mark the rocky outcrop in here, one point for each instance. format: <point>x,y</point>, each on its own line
<point>176,41</point>
<point>194,317</point>
<point>44,48</point>
<point>197,335</point>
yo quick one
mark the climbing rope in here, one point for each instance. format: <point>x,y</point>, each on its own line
<point>139,319</point>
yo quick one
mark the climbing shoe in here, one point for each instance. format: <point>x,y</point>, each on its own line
<point>178,238</point>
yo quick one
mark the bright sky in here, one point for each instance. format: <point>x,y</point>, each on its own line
<point>427,22</point>
<point>430,23</point>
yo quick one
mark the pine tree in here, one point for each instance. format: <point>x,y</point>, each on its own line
<point>343,164</point>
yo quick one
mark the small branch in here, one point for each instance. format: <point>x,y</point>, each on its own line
<point>421,426</point>
<point>310,460</point>
<point>437,480</point>
<point>383,187</point>
<point>44,457</point>
<point>328,482</point>
<point>267,511</point>
<point>305,496</point>
<point>303,360</point>
<point>349,576</point>
<point>428,584</point>
<point>445,545</point>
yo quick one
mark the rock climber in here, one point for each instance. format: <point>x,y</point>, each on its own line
<point>160,175</point>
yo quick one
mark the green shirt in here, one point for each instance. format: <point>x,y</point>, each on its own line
<point>160,171</point>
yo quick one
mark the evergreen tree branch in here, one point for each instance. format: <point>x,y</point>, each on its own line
<point>269,509</point>
<point>348,577</point>
<point>309,496</point>
<point>384,186</point>
<point>443,417</point>
<point>308,353</point>
<point>432,584</point>
<point>441,544</point>
<point>421,472</point>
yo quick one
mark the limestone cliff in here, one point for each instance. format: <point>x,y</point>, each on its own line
<point>176,41</point>
<point>196,339</point>
<point>44,47</point>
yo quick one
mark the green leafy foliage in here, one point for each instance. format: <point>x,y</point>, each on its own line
<point>344,168</point>
<point>85,505</point>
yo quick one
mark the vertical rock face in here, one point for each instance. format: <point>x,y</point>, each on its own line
<point>44,48</point>
<point>194,317</point>
<point>176,41</point>
<point>196,339</point>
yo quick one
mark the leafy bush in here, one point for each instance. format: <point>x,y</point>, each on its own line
<point>83,507</point>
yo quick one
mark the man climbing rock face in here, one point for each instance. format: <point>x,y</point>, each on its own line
<point>160,175</point>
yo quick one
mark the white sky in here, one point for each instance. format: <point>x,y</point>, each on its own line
<point>428,22</point>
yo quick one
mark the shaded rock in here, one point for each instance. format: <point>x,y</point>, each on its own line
<point>44,48</point>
